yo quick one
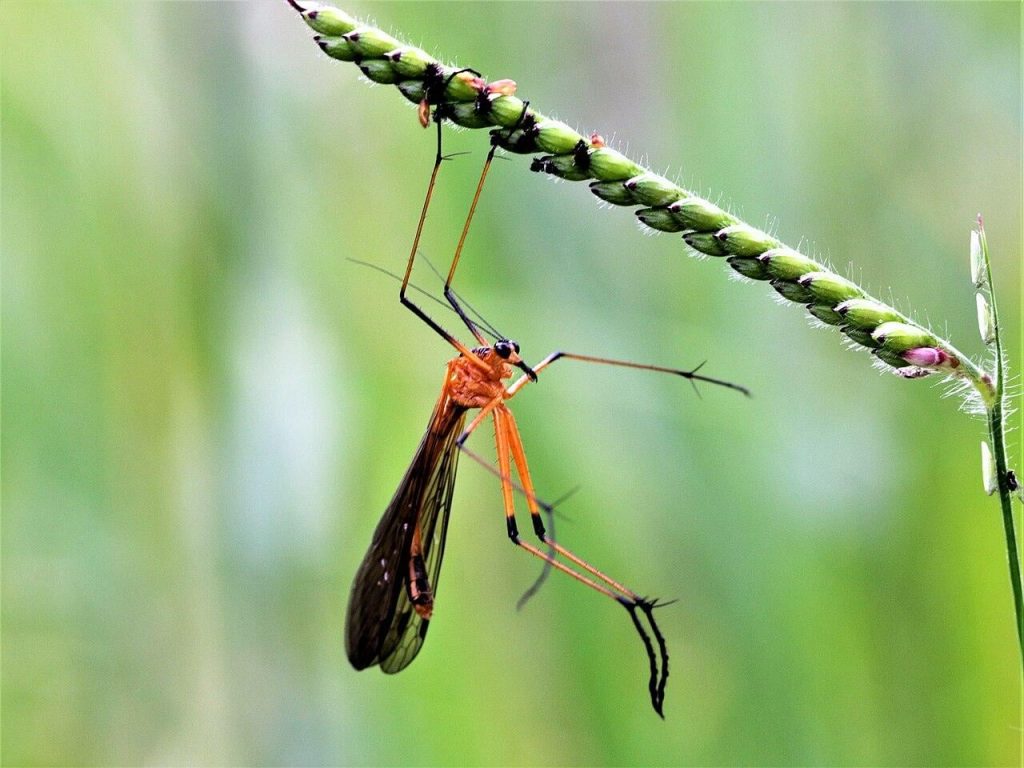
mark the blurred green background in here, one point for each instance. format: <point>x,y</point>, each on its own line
<point>206,407</point>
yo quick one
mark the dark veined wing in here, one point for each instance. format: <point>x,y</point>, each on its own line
<point>381,626</point>
<point>408,629</point>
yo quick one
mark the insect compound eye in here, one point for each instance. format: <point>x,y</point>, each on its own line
<point>515,346</point>
<point>503,348</point>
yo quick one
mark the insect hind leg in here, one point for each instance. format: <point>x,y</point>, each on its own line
<point>509,450</point>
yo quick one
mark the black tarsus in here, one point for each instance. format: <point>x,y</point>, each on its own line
<point>522,366</point>
<point>656,684</point>
<point>648,609</point>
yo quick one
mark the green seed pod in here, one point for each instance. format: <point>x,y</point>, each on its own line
<point>652,189</point>
<point>410,62</point>
<point>659,219</point>
<point>562,166</point>
<point>328,20</point>
<point>609,165</point>
<point>461,87</point>
<point>744,240</point>
<point>792,291</point>
<point>336,47</point>
<point>556,137</point>
<point>864,338</point>
<point>787,264</point>
<point>612,192</point>
<point>413,90</point>
<point>867,314</point>
<point>521,140</point>
<point>829,288</point>
<point>827,315</point>
<point>507,110</point>
<point>748,267</point>
<point>466,114</point>
<point>899,337</point>
<point>694,213</point>
<point>705,242</point>
<point>379,71</point>
<point>371,43</point>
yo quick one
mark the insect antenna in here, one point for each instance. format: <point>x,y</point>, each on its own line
<point>477,317</point>
<point>398,277</point>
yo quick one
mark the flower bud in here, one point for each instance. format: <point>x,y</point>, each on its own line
<point>748,267</point>
<point>502,87</point>
<point>379,71</point>
<point>506,111</point>
<point>410,61</point>
<point>371,43</point>
<point>606,164</point>
<point>556,137</point>
<point>659,219</point>
<point>926,357</point>
<point>705,242</point>
<point>413,90</point>
<point>825,314</point>
<point>328,20</point>
<point>829,288</point>
<point>792,291</point>
<point>562,166</point>
<point>460,86</point>
<point>787,264</point>
<point>867,314</point>
<point>890,358</point>
<point>466,114</point>
<point>652,189</point>
<point>336,47</point>
<point>864,338</point>
<point>901,337</point>
<point>744,240</point>
<point>613,192</point>
<point>521,140</point>
<point>694,213</point>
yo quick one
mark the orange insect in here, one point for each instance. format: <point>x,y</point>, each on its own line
<point>395,588</point>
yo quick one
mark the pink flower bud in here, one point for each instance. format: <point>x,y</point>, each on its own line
<point>502,87</point>
<point>925,356</point>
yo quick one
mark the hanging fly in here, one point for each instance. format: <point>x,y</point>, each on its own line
<point>395,589</point>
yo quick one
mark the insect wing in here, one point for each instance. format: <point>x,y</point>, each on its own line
<point>408,629</point>
<point>380,617</point>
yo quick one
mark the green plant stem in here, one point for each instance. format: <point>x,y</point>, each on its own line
<point>997,434</point>
<point>999,453</point>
